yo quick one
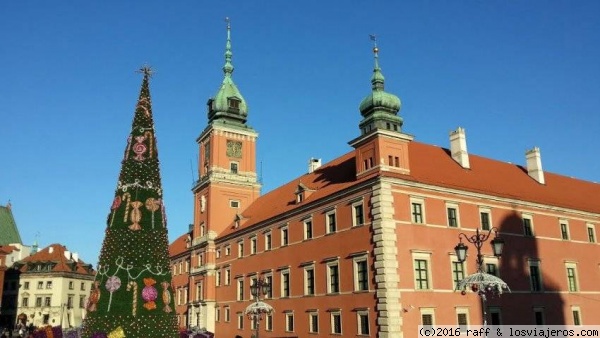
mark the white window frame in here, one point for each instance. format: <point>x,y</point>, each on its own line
<point>237,167</point>
<point>227,314</point>
<point>572,265</point>
<point>218,278</point>
<point>591,226</point>
<point>530,263</point>
<point>239,282</point>
<point>268,277</point>
<point>228,250</point>
<point>268,240</point>
<point>420,255</point>
<point>454,259</point>
<point>227,276</point>
<point>313,317</point>
<point>568,230</point>
<point>218,314</point>
<point>339,278</point>
<point>218,253</point>
<point>253,245</point>
<point>355,261</point>
<point>281,284</point>
<point>306,223</point>
<point>310,267</point>
<point>530,218</point>
<point>328,215</point>
<point>235,204</point>
<point>240,320</point>
<point>240,248</point>
<point>427,311</point>
<point>492,260</point>
<point>578,310</point>
<point>452,205</point>
<point>269,323</point>
<point>287,321</point>
<point>285,229</point>
<point>420,201</point>
<point>354,206</point>
<point>462,311</point>
<point>488,211</point>
<point>332,315</point>
<point>359,327</point>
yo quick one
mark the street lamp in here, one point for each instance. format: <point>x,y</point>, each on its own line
<point>481,282</point>
<point>257,310</point>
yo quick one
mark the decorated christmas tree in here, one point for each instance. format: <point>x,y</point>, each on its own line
<point>131,295</point>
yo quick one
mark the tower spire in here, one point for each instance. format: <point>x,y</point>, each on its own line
<point>228,67</point>
<point>377,80</point>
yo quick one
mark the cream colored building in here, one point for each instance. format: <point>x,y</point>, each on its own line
<point>53,288</point>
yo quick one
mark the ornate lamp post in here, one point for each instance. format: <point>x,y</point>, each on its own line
<point>257,310</point>
<point>482,283</point>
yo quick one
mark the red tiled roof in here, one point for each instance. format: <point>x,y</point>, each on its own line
<point>178,246</point>
<point>433,165</point>
<point>55,253</point>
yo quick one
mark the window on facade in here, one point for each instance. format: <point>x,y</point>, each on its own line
<point>313,322</point>
<point>233,103</point>
<point>458,273</point>
<point>289,322</point>
<point>227,277</point>
<point>253,245</point>
<point>452,217</point>
<point>535,276</point>
<point>240,249</point>
<point>462,319</point>
<point>491,268</point>
<point>40,285</point>
<point>234,167</point>
<point>227,314</point>
<point>81,301</point>
<point>336,323</point>
<point>576,316</point>
<point>495,316</point>
<point>564,231</point>
<point>331,225</point>
<point>572,277</point>
<point>421,274</point>
<point>217,314</point>
<point>25,302</point>
<point>358,214</point>
<point>309,275</point>
<point>26,285</point>
<point>308,229</point>
<point>38,301</point>
<point>333,277</point>
<point>538,316</point>
<point>49,285</point>
<point>227,250</point>
<point>70,301</point>
<point>234,204</point>
<point>240,289</point>
<point>591,234</point>
<point>284,236</point>
<point>527,227</point>
<point>71,285</point>
<point>417,212</point>
<point>361,274</point>
<point>363,323</point>
<point>269,323</point>
<point>427,318</point>
<point>199,291</point>
<point>82,287</point>
<point>485,220</point>
<point>240,321</point>
<point>47,301</point>
<point>268,243</point>
<point>285,283</point>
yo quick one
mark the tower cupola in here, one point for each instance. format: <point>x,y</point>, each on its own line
<point>228,105</point>
<point>380,108</point>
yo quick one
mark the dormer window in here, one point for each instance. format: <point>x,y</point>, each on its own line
<point>300,197</point>
<point>233,103</point>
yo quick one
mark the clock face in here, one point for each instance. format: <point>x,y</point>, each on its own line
<point>234,149</point>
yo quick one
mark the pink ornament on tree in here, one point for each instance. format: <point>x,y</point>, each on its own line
<point>113,283</point>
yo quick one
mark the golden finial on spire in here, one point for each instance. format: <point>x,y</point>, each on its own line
<point>146,70</point>
<point>373,38</point>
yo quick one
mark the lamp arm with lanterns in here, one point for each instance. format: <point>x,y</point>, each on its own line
<point>477,240</point>
<point>258,309</point>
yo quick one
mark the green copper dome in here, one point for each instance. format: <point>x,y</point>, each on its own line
<point>228,105</point>
<point>380,108</point>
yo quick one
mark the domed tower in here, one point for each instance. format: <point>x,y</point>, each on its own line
<point>381,145</point>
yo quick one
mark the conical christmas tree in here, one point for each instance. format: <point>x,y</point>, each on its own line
<point>131,295</point>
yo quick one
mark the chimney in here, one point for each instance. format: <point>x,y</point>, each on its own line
<point>67,254</point>
<point>458,147</point>
<point>75,256</point>
<point>313,164</point>
<point>51,249</point>
<point>534,165</point>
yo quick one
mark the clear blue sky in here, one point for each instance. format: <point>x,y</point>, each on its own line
<point>515,74</point>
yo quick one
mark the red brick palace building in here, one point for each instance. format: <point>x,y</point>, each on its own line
<point>364,245</point>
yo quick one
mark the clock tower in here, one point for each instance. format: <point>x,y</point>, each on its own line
<point>227,163</point>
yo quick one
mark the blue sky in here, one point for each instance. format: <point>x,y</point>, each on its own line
<point>514,74</point>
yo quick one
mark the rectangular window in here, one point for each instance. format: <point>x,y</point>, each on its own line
<point>336,323</point>
<point>309,275</point>
<point>218,278</point>
<point>240,321</point>
<point>81,301</point>
<point>234,167</point>
<point>268,243</point>
<point>564,230</point>
<point>285,283</point>
<point>269,323</point>
<point>363,323</point>
<point>227,314</point>
<point>331,225</point>
<point>417,212</point>
<point>71,285</point>
<point>538,316</point>
<point>227,277</point>
<point>427,317</point>
<point>313,322</point>
<point>47,301</point>
<point>462,319</point>
<point>492,269</point>
<point>253,245</point>
<point>70,301</point>
<point>458,273</point>
<point>535,276</point>
<point>228,250</point>
<point>591,234</point>
<point>358,215</point>
<point>217,314</point>
<point>495,316</point>
<point>485,220</point>
<point>308,229</point>
<point>284,236</point>
<point>452,213</point>
<point>218,253</point>
<point>38,301</point>
<point>572,277</point>
<point>25,302</point>
<point>82,287</point>
<point>576,315</point>
<point>333,277</point>
<point>240,249</point>
<point>289,322</point>
<point>240,289</point>
<point>269,280</point>
<point>26,286</point>
<point>361,274</point>
<point>421,274</point>
<point>527,226</point>
<point>40,285</point>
